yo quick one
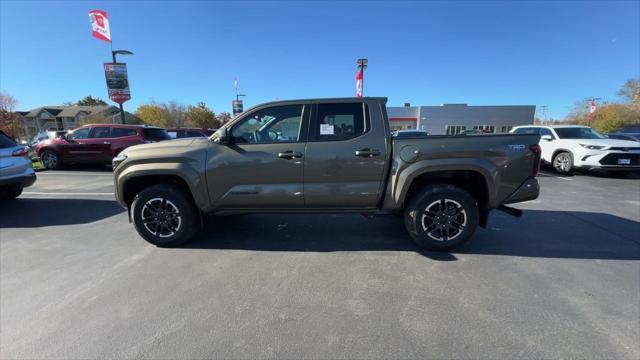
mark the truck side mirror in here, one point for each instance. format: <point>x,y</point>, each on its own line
<point>546,137</point>
<point>223,136</point>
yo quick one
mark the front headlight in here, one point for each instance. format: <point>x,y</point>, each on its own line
<point>118,160</point>
<point>592,147</point>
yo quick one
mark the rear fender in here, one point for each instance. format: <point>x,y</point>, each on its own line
<point>400,182</point>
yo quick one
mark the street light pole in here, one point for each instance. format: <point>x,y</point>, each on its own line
<point>362,64</point>
<point>113,56</point>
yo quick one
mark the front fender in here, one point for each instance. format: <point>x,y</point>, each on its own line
<point>183,170</point>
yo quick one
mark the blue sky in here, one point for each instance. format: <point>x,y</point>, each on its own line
<point>428,53</point>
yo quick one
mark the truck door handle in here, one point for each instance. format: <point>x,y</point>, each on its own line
<point>367,152</point>
<point>289,155</point>
<point>107,143</point>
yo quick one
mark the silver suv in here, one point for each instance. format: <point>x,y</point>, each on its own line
<point>16,171</point>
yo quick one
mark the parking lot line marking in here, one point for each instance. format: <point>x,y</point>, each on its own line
<point>65,193</point>
<point>72,173</point>
<point>554,176</point>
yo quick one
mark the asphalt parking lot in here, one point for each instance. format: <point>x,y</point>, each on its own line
<point>563,281</point>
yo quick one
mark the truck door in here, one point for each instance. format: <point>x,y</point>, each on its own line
<point>262,167</point>
<point>346,157</point>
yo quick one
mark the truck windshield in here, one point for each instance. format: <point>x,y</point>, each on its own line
<point>578,133</point>
<point>6,141</point>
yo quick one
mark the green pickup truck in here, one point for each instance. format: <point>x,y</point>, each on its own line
<point>326,156</point>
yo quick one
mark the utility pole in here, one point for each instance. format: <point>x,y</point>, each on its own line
<point>543,110</point>
<point>113,55</point>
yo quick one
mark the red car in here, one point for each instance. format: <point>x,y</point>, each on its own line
<point>186,132</point>
<point>95,144</point>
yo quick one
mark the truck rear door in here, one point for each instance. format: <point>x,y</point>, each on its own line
<point>346,156</point>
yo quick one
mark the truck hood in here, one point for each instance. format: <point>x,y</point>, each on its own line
<point>162,145</point>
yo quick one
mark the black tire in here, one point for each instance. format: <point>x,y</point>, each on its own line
<point>174,217</point>
<point>51,160</point>
<point>449,228</point>
<point>563,163</point>
<point>10,193</point>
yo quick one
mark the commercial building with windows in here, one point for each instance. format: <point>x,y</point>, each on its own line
<point>451,119</point>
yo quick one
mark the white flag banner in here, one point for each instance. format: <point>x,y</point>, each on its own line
<point>100,25</point>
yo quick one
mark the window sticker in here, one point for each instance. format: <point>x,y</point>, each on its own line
<point>326,129</point>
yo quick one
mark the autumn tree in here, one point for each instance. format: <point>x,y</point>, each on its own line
<point>90,101</point>
<point>203,117</point>
<point>166,115</point>
<point>9,120</point>
<point>223,118</point>
<point>630,91</point>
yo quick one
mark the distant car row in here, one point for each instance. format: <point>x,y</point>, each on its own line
<point>100,143</point>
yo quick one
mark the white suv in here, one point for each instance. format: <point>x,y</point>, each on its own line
<point>567,147</point>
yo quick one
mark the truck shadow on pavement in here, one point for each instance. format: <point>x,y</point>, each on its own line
<point>33,213</point>
<point>539,233</point>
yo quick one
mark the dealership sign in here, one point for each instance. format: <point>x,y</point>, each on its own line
<point>117,82</point>
<point>237,107</point>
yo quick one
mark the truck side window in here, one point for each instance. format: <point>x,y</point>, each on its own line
<point>335,122</point>
<point>278,124</point>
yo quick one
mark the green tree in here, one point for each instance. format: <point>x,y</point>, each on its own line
<point>90,101</point>
<point>201,116</point>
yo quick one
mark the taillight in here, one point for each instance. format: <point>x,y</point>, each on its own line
<point>22,152</point>
<point>537,153</point>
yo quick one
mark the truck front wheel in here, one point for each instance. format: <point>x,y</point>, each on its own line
<point>441,217</point>
<point>164,215</point>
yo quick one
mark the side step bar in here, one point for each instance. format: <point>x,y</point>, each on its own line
<point>511,211</point>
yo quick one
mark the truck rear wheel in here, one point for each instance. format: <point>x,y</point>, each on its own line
<point>441,217</point>
<point>165,215</point>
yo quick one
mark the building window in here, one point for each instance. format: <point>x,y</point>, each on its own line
<point>485,129</point>
<point>506,129</point>
<point>455,129</point>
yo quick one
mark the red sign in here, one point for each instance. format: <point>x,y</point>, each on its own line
<point>117,82</point>
<point>100,25</point>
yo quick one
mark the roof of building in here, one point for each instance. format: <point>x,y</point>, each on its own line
<point>72,111</point>
<point>66,111</point>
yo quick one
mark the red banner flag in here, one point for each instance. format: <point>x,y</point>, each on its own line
<point>592,108</point>
<point>100,25</point>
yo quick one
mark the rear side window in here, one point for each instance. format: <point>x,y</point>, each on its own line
<point>6,141</point>
<point>336,122</point>
<point>117,132</point>
<point>155,134</point>
<point>100,132</point>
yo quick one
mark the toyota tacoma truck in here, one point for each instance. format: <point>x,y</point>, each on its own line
<point>326,156</point>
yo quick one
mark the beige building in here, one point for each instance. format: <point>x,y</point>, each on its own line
<point>48,118</point>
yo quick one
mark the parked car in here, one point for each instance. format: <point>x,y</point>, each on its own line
<point>625,136</point>
<point>569,147</point>
<point>410,133</point>
<point>180,133</point>
<point>16,171</point>
<point>95,144</point>
<point>324,156</point>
